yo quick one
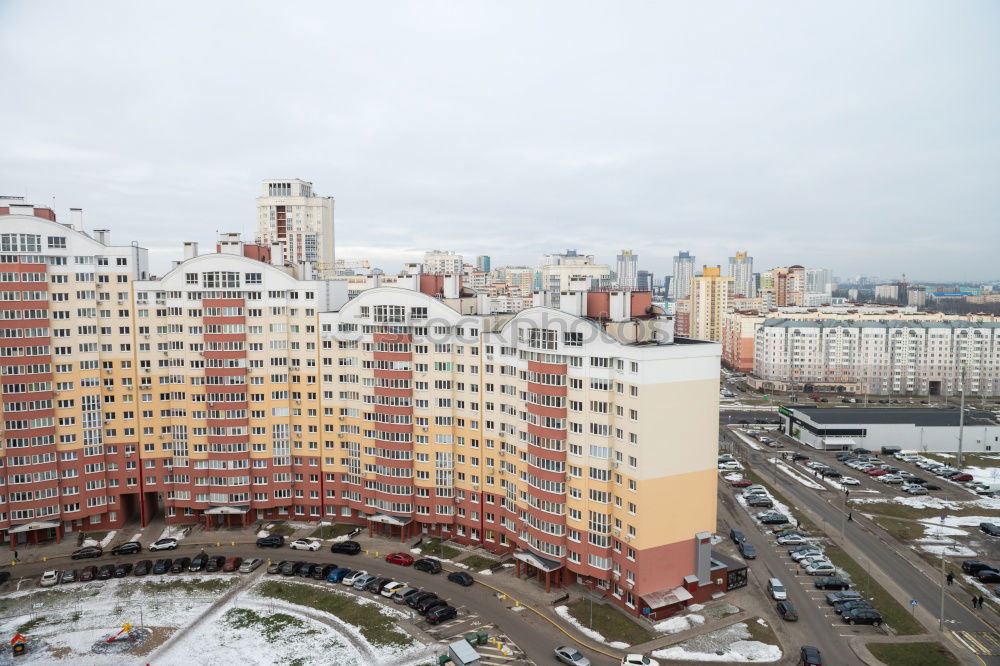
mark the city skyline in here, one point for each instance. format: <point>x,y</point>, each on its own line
<point>880,160</point>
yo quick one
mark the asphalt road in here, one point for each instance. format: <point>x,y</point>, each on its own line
<point>536,637</point>
<point>917,584</point>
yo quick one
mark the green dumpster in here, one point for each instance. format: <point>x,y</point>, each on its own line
<point>443,659</point>
<point>482,637</point>
<point>471,638</point>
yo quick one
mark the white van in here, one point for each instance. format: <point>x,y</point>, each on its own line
<point>776,589</point>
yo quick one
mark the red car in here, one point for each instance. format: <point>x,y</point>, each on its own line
<point>961,476</point>
<point>232,564</point>
<point>877,472</point>
<point>402,559</point>
<point>742,483</point>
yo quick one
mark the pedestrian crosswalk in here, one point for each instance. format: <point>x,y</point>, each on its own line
<point>985,643</point>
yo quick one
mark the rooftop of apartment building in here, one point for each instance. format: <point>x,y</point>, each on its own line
<point>779,322</point>
<point>918,416</point>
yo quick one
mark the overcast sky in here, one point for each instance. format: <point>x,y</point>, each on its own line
<point>860,136</point>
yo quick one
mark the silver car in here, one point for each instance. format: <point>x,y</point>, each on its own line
<point>570,656</point>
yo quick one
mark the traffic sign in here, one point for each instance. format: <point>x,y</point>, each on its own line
<point>913,602</point>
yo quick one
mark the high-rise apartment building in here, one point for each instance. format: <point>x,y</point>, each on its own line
<point>627,270</point>
<point>292,216</point>
<point>741,270</point>
<point>483,263</point>
<point>437,262</point>
<point>644,281</point>
<point>571,272</point>
<point>680,283</point>
<point>232,390</point>
<point>709,302</point>
<point>784,286</point>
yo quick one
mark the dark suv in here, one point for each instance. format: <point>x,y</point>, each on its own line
<point>428,564</point>
<point>441,614</point>
<point>271,541</point>
<point>199,561</point>
<point>736,536</point>
<point>974,566</point>
<point>346,547</point>
<point>862,616</point>
<point>127,548</point>
<point>87,551</point>
<point>810,656</point>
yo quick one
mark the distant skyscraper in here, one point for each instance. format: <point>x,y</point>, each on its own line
<point>741,270</point>
<point>437,262</point>
<point>644,281</point>
<point>627,270</point>
<point>680,283</point>
<point>483,263</point>
<point>289,214</point>
<point>709,303</point>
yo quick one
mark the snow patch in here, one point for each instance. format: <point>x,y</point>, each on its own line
<point>728,644</point>
<point>679,623</point>
<point>795,474</point>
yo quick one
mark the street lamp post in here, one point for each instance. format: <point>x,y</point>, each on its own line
<point>944,547</point>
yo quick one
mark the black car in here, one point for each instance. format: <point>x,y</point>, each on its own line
<point>142,567</point>
<point>305,569</point>
<point>441,614</point>
<point>851,605</point>
<point>121,570</point>
<point>105,572</point>
<point>774,519</point>
<point>198,562</point>
<point>180,565</point>
<point>787,611</point>
<point>288,568</point>
<point>87,552</point>
<point>838,597</point>
<point>975,566</point>
<point>810,656</point>
<point>736,536</point>
<point>428,564</point>
<point>162,566</point>
<point>214,563</point>
<point>861,451</point>
<point>862,616</point>
<point>417,599</point>
<point>797,457</point>
<point>931,486</point>
<point>831,583</point>
<point>747,550</point>
<point>346,547</point>
<point>831,474</point>
<point>462,578</point>
<point>844,456</point>
<point>377,585</point>
<point>322,571</point>
<point>990,528</point>
<point>271,541</point>
<point>988,576</point>
<point>127,548</point>
<point>425,607</point>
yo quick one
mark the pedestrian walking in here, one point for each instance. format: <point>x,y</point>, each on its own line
<point>850,516</point>
<point>975,601</point>
<point>981,600</point>
<point>951,577</point>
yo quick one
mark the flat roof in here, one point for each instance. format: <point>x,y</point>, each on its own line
<point>920,416</point>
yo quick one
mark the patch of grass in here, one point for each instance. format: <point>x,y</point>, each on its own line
<point>912,654</point>
<point>901,529</point>
<point>478,562</point>
<point>376,626</point>
<point>439,548</point>
<point>968,459</point>
<point>30,624</point>
<point>894,510</point>
<point>892,611</point>
<point>273,626</point>
<point>610,622</point>
<point>331,531</point>
<point>282,528</point>
<point>212,586</point>
<point>761,632</point>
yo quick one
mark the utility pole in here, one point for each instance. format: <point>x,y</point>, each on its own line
<point>944,547</point>
<point>961,416</point>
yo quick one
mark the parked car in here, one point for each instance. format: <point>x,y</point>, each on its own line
<point>127,548</point>
<point>913,489</point>
<point>791,540</point>
<point>988,576</point>
<point>862,616</point>
<point>122,570</point>
<point>162,566</point>
<point>69,576</point>
<point>376,586</point>
<point>49,578</point>
<point>831,583</point>
<point>250,565</point>
<point>773,518</point>
<point>990,528</point>
<point>740,483</point>
<point>462,578</point>
<point>353,577</point>
<point>271,541</point>
<point>214,563</point>
<point>319,573</point>
<point>760,500</point>
<point>810,656</point>
<point>399,595</point>
<point>975,566</point>
<point>851,604</point>
<point>88,574</point>
<point>850,481</point>
<point>418,599</point>
<point>892,479</point>
<point>844,595</point>
<point>337,575</point>
<point>427,604</point>
<point>638,660</point>
<point>87,552</point>
<point>441,614</point>
<point>747,550</point>
<point>811,551</point>
<point>275,567</point>
<point>142,567</point>
<point>402,559</point>
<point>391,589</point>
<point>163,544</point>
<point>346,547</point>
<point>787,611</point>
<point>570,656</point>
<point>406,595</point>
<point>304,569</point>
<point>363,581</point>
<point>961,476</point>
<point>820,569</point>
<point>198,562</point>
<point>180,565</point>
<point>304,544</point>
<point>105,572</point>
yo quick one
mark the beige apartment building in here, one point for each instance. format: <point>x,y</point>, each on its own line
<point>709,302</point>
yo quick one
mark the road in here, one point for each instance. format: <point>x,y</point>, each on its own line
<point>924,586</point>
<point>533,635</point>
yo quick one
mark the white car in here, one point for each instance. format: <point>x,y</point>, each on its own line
<point>792,540</point>
<point>638,660</point>
<point>304,544</point>
<point>164,544</point>
<point>730,466</point>
<point>49,578</point>
<point>353,577</point>
<point>850,481</point>
<point>821,569</point>
<point>801,555</point>
<point>391,588</point>
<point>812,559</point>
<point>914,489</point>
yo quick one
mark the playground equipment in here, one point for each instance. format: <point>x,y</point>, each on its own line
<point>126,629</point>
<point>18,644</point>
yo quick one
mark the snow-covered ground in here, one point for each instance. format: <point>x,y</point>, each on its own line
<point>778,506</point>
<point>679,623</point>
<point>746,439</point>
<point>939,538</point>
<point>795,474</point>
<point>728,644</point>
<point>563,612</point>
